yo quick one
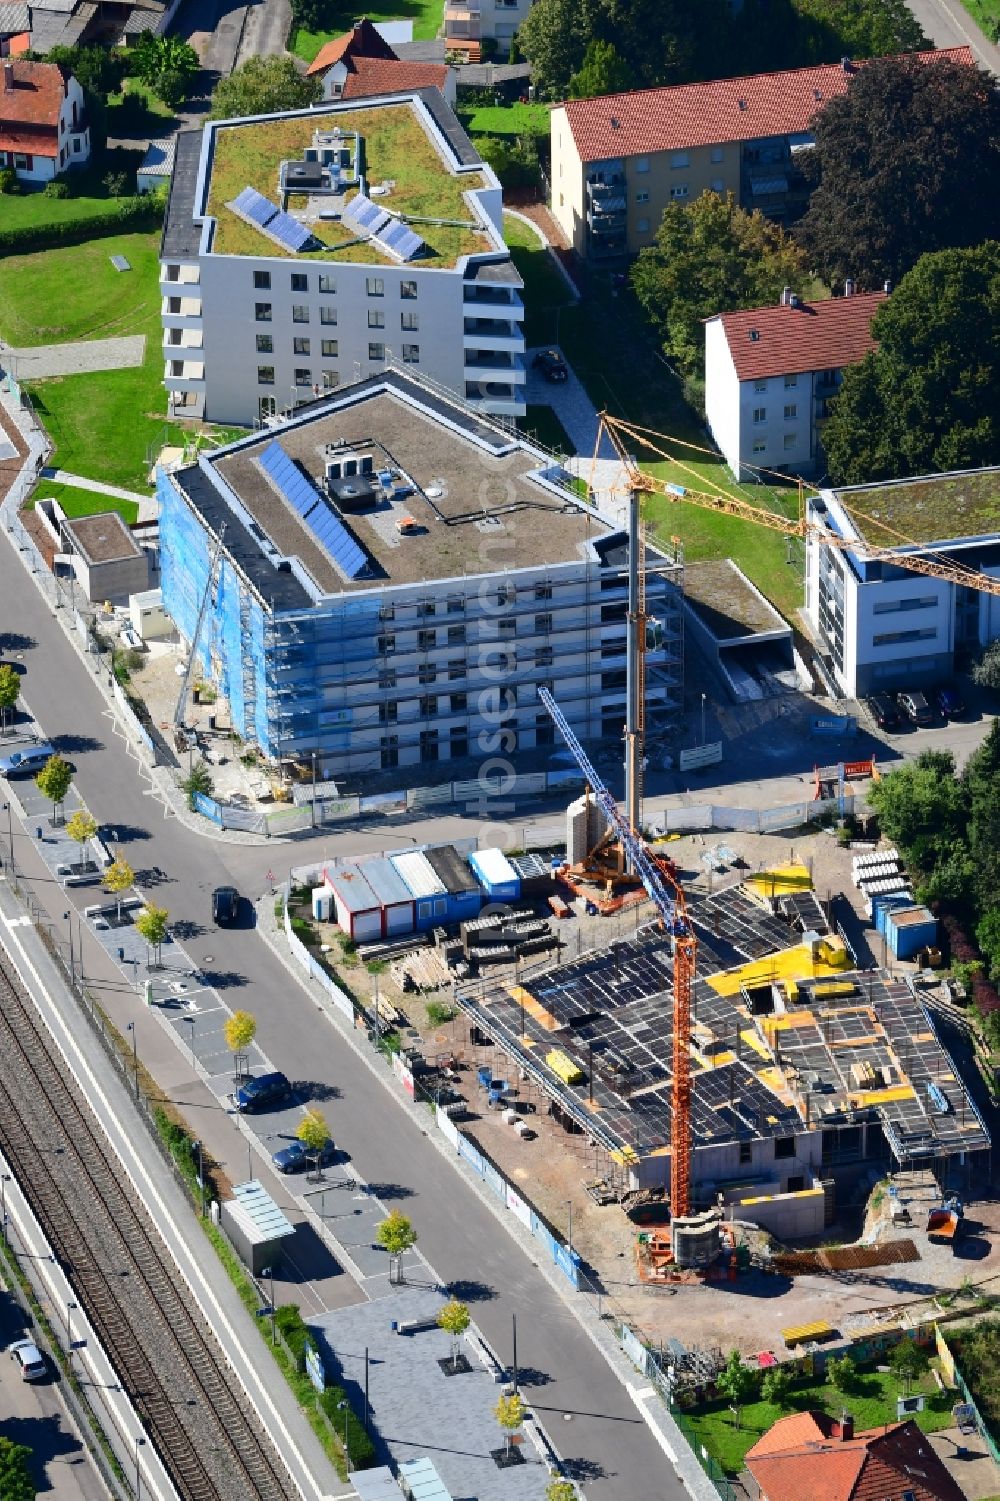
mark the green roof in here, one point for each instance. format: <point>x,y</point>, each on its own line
<point>937,508</point>
<point>396,148</point>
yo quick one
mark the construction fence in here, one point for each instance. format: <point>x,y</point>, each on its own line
<point>952,1373</point>
<point>693,817</point>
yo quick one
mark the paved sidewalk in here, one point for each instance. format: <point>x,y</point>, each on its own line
<point>571,404</point>
<point>80,482</point>
<point>82,357</point>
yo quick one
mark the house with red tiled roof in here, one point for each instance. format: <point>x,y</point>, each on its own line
<point>770,373</point>
<point>362,65</point>
<point>811,1455</point>
<point>43,128</point>
<point>618,160</point>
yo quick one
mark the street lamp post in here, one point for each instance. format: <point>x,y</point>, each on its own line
<point>138,1445</point>
<point>569,1235</point>
<point>69,1326</point>
<point>274,1333</point>
<point>135,1059</point>
<point>314,789</point>
<point>4,1180</point>
<point>10,841</point>
<point>703,719</point>
<point>347,1442</point>
<point>201,1174</point>
<point>194,1057</point>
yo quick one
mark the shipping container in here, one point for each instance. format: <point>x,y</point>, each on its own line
<point>496,875</point>
<point>910,930</point>
<point>464,893</point>
<point>359,911</point>
<point>430,899</point>
<point>394,895</point>
<point>885,902</point>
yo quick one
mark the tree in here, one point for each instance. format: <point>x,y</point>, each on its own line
<point>922,808</point>
<point>860,28</point>
<point>263,86</point>
<point>396,1234</point>
<point>152,924</point>
<point>454,1318</point>
<point>240,1031</point>
<point>737,1382</point>
<point>10,692</point>
<point>514,162</point>
<point>842,1373</point>
<point>710,256</point>
<point>509,1413</point>
<point>986,672</point>
<point>98,70</point>
<point>198,779</point>
<point>601,72</point>
<point>776,1386</point>
<point>561,1490</point>
<point>54,781</point>
<point>167,64</point>
<point>908,1362</point>
<point>925,399</point>
<point>16,1483</point>
<point>81,828</point>
<point>314,1134</point>
<point>119,878</point>
<point>907,161</point>
<point>981,782</point>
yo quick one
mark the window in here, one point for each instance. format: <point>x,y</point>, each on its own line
<point>265,375</point>
<point>717,185</point>
<point>409,322</point>
<point>427,673</point>
<point>328,315</point>
<point>506,629</point>
<point>426,640</point>
<point>791,411</point>
<point>718,154</point>
<point>390,752</point>
<point>330,380</point>
<point>387,712</point>
<point>791,381</point>
<point>428,705</point>
<point>914,602</point>
<point>300,312</point>
<point>386,645</point>
<point>376,351</point>
<point>759,448</point>
<point>897,638</point>
<point>679,190</point>
<point>427,607</point>
<point>327,283</point>
<point>790,440</point>
<point>330,348</point>
<point>642,164</point>
<point>411,354</point>
<point>262,312</point>
<point>265,344</point>
<point>456,635</point>
<point>300,346</point>
<point>680,159</point>
<point>375,286</point>
<point>429,750</point>
<point>746,1153</point>
<point>456,669</point>
<point>543,624</point>
<point>458,703</point>
<point>759,387</point>
<point>262,281</point>
<point>642,197</point>
<point>387,612</point>
<point>456,607</point>
<point>387,678</point>
<point>300,281</point>
<point>505,595</point>
<point>544,656</point>
<point>759,415</point>
<point>543,591</point>
<point>303,377</point>
<point>459,744</point>
<point>642,226</point>
<point>407,289</point>
<point>376,318</point>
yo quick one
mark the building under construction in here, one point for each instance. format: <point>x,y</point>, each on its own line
<point>802,1067</point>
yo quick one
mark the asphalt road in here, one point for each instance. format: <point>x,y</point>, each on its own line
<point>948,24</point>
<point>606,1440</point>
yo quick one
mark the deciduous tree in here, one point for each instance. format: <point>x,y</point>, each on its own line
<point>10,692</point>
<point>922,808</point>
<point>152,924</point>
<point>16,1483</point>
<point>842,1373</point>
<point>239,1031</point>
<point>561,1490</point>
<point>776,1386</point>
<point>925,400</point>
<point>396,1234</point>
<point>907,161</point>
<point>263,86</point>
<point>509,1413</point>
<point>81,828</point>
<point>908,1362</point>
<point>314,1134</point>
<point>119,878</point>
<point>710,256</point>
<point>737,1382</point>
<point>167,64</point>
<point>454,1318</point>
<point>54,781</point>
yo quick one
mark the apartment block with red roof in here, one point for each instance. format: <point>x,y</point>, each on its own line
<point>618,160</point>
<point>43,128</point>
<point>362,65</point>
<point>770,373</point>
<point>810,1454</point>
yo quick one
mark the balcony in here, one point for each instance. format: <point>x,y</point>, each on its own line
<point>485,365</point>
<point>182,338</point>
<point>497,399</point>
<point>176,278</point>
<point>492,333</point>
<point>179,311</point>
<point>184,375</point>
<point>481,294</point>
<point>462,23</point>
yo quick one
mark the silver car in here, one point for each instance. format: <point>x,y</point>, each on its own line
<point>28,1358</point>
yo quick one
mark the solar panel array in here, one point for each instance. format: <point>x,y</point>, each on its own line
<point>388,234</point>
<point>273,221</point>
<point>306,501</point>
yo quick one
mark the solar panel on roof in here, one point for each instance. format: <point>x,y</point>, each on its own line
<point>288,231</point>
<point>296,487</point>
<point>255,207</point>
<point>302,495</point>
<point>399,240</point>
<point>363,215</point>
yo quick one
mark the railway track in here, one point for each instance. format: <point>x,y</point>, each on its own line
<point>193,1409</point>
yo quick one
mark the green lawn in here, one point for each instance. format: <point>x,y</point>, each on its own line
<point>89,197</point>
<point>52,296</point>
<point>986,14</point>
<point>426,15</point>
<point>607,342</point>
<point>85,502</point>
<point>873,1404</point>
<point>509,120</point>
<point>542,424</point>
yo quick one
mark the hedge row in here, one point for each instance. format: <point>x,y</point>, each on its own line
<point>299,1339</point>
<point>127,215</point>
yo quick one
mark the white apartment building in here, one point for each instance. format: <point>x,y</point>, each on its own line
<point>770,373</point>
<point>470,23</point>
<point>368,234</point>
<point>397,578</point>
<point>880,626</point>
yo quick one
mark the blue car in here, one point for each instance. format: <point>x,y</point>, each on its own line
<point>949,702</point>
<point>296,1157</point>
<point>261,1092</point>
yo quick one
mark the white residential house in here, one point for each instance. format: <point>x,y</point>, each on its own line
<point>368,236</point>
<point>470,23</point>
<point>770,373</point>
<point>362,64</point>
<point>43,128</point>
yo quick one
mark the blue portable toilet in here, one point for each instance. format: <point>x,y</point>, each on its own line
<point>496,875</point>
<point>465,895</point>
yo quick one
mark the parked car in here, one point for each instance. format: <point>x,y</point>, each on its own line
<point>949,701</point>
<point>225,905</point>
<point>884,712</point>
<point>552,365</point>
<point>296,1157</point>
<point>27,761</point>
<point>915,707</point>
<point>28,1358</point>
<point>261,1093</point>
